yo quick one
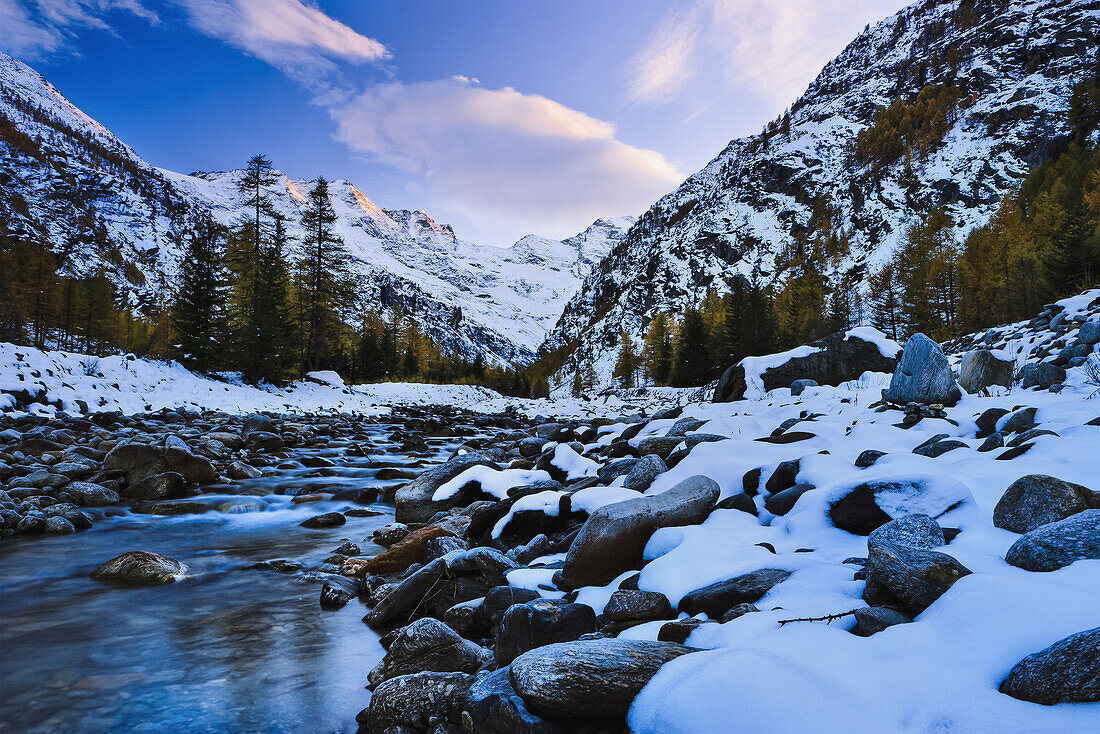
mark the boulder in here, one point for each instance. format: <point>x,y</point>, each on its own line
<point>661,446</point>
<point>494,707</point>
<point>589,679</point>
<point>799,386</point>
<point>416,702</point>
<point>540,622</point>
<point>428,645</point>
<point>614,536</point>
<point>718,598</point>
<point>982,368</point>
<point>1036,499</point>
<point>337,591</point>
<point>167,485</point>
<point>500,599</point>
<point>428,592</point>
<point>987,421</point>
<point>871,620</point>
<point>1066,672</point>
<point>911,575</point>
<point>140,568</point>
<point>642,473</point>
<point>783,502</point>
<point>869,505</point>
<point>868,458</point>
<point>1042,375</point>
<point>917,531</point>
<point>1057,544</point>
<point>838,357</point>
<point>634,606</point>
<point>678,630</point>
<point>413,501</point>
<point>327,520</point>
<point>92,495</point>
<point>403,553</point>
<point>923,375</point>
<point>136,461</point>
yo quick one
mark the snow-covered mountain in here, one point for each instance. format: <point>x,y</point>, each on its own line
<point>62,174</point>
<point>1014,64</point>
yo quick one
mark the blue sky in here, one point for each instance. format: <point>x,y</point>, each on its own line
<point>501,117</point>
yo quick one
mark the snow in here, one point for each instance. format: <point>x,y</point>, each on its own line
<point>887,347</point>
<point>547,503</point>
<point>591,499</point>
<point>493,481</point>
<point>573,464</point>
<point>326,377</point>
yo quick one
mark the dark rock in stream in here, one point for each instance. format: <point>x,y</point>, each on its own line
<point>327,520</point>
<point>140,568</point>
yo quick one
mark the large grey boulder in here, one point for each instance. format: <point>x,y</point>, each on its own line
<point>140,568</point>
<point>923,375</point>
<point>428,645</point>
<point>911,575</point>
<point>413,502</point>
<point>1066,672</point>
<point>1037,499</point>
<point>718,598</point>
<point>589,679</point>
<point>1057,544</point>
<point>416,702</point>
<point>540,622</point>
<point>982,368</point>
<point>613,538</point>
<point>839,357</point>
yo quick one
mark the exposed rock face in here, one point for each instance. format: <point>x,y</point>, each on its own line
<point>982,368</point>
<point>140,568</point>
<point>590,679</point>
<point>1037,500</point>
<point>612,539</point>
<point>923,375</point>
<point>414,502</point>
<point>837,358</point>
<point>1066,672</point>
<point>718,598</point>
<point>1057,544</point>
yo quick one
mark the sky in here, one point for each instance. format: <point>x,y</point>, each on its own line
<point>500,117</point>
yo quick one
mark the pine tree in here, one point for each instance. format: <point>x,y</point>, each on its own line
<point>657,349</point>
<point>691,364</point>
<point>199,313</point>
<point>269,347</point>
<point>626,367</point>
<point>885,302</point>
<point>325,282</point>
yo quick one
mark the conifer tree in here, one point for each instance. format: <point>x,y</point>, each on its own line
<point>199,313</point>
<point>657,349</point>
<point>885,302</point>
<point>626,367</point>
<point>269,342</point>
<point>691,364</point>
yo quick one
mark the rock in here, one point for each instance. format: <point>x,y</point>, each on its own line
<point>167,485</point>
<point>918,531</point>
<point>860,509</point>
<point>799,386</point>
<point>494,707</point>
<point>661,446</point>
<point>939,447</point>
<point>140,568</point>
<point>738,610</point>
<point>263,442</point>
<point>837,358</point>
<point>32,523</point>
<point>740,501</point>
<point>136,460</point>
<point>992,442</point>
<point>987,421</point>
<point>923,375</point>
<point>1019,420</point>
<point>390,534</point>
<point>337,591</point>
<point>347,548</point>
<point>92,495</point>
<point>1042,375</point>
<point>1036,499</point>
<point>982,368</point>
<point>783,502</point>
<point>635,605</point>
<point>589,679</point>
<point>718,598</point>
<point>871,620</point>
<point>327,520</point>
<point>257,422</point>
<point>643,472</point>
<point>678,630</point>
<point>58,526</point>
<point>784,476</point>
<point>613,537</point>
<point>1089,332</point>
<point>1057,544</point>
<point>428,592</point>
<point>428,645</point>
<point>241,470</point>
<point>413,703</point>
<point>413,501</point>
<point>540,622</point>
<point>405,552</point>
<point>913,576</point>
<point>441,546</point>
<point>500,599</point>
<point>868,458</point>
<point>1066,672</point>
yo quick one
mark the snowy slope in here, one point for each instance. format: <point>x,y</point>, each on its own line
<point>57,163</point>
<point>1015,61</point>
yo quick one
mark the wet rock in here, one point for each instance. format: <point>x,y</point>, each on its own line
<point>327,520</point>
<point>923,375</point>
<point>914,576</point>
<point>164,486</point>
<point>718,598</point>
<point>337,591</point>
<point>441,546</point>
<point>494,707</point>
<point>405,552</point>
<point>348,549</point>
<point>32,523</point>
<point>93,495</point>
<point>589,679</point>
<point>634,605</point>
<point>871,620</point>
<point>414,703</point>
<point>413,501</point>
<point>390,534</point>
<point>500,599</point>
<point>58,526</point>
<point>428,645</point>
<point>540,622</point>
<point>241,470</point>
<point>1057,544</point>
<point>982,368</point>
<point>612,539</point>
<point>1066,672</point>
<point>428,592</point>
<point>1036,499</point>
<point>140,568</point>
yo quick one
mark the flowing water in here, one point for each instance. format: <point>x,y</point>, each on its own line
<point>228,649</point>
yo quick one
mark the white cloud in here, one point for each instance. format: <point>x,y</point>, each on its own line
<point>502,154</point>
<point>36,28</point>
<point>770,49</point>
